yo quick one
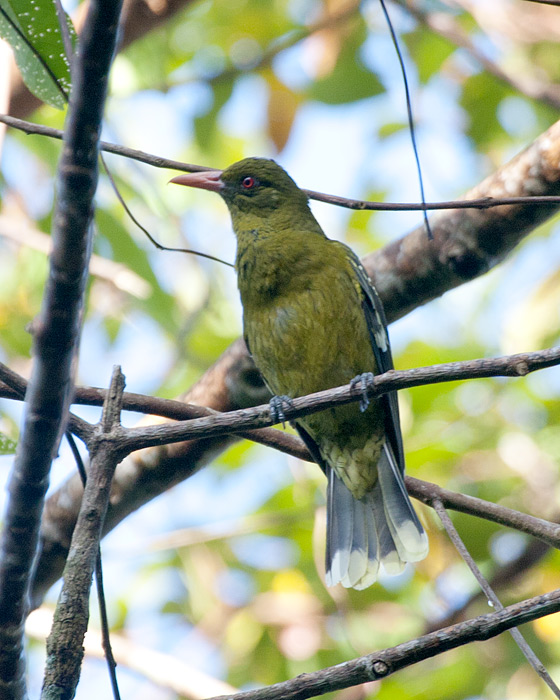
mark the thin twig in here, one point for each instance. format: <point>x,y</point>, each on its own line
<point>355,204</point>
<point>205,423</point>
<point>424,491</point>
<point>492,598</point>
<point>409,115</point>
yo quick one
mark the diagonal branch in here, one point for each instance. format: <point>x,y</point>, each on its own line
<point>64,645</point>
<point>382,664</point>
<point>142,484</point>
<point>484,202</point>
<point>492,598</point>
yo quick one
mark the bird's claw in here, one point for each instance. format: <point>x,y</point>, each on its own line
<point>277,405</point>
<point>363,380</point>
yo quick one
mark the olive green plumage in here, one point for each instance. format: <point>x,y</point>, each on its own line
<point>312,321</point>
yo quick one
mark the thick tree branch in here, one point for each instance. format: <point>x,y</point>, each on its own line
<point>56,334</point>
<point>467,243</point>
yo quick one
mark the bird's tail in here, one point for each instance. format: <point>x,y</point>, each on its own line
<point>381,528</point>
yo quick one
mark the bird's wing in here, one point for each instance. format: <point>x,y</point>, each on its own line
<point>377,327</point>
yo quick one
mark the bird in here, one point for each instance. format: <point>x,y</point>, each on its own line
<point>312,320</point>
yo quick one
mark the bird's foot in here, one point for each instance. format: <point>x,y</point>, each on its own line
<point>277,405</point>
<point>363,380</point>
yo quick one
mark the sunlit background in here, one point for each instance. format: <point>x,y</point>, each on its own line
<point>224,571</point>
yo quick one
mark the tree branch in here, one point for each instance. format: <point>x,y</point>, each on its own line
<point>262,416</point>
<point>382,664</point>
<point>491,597</point>
<point>138,484</point>
<point>64,645</point>
<point>56,335</point>
<point>486,202</point>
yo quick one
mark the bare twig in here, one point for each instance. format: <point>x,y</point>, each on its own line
<point>492,598</point>
<point>348,203</point>
<point>542,529</point>
<point>13,386</point>
<point>212,423</point>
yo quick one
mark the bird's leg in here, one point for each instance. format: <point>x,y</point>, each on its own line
<point>363,380</point>
<point>277,405</point>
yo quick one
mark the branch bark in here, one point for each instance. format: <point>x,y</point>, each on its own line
<point>65,643</point>
<point>56,336</point>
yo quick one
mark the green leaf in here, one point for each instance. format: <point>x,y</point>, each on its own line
<point>386,130</point>
<point>481,97</point>
<point>7,445</point>
<point>429,52</point>
<point>350,80</point>
<point>31,28</point>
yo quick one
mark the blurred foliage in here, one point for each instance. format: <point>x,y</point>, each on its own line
<point>234,581</point>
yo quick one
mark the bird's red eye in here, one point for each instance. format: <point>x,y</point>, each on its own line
<point>248,182</point>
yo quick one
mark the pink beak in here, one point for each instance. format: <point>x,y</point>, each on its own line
<point>205,180</point>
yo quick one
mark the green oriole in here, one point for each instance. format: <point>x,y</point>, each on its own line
<point>312,320</point>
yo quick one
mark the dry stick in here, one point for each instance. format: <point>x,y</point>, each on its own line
<point>12,386</point>
<point>348,203</point>
<point>209,423</point>
<point>98,571</point>
<point>492,598</point>
<point>213,423</point>
<point>424,491</point>
<point>64,645</point>
<point>382,664</point>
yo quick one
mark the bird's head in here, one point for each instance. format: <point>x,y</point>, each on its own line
<point>253,186</point>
